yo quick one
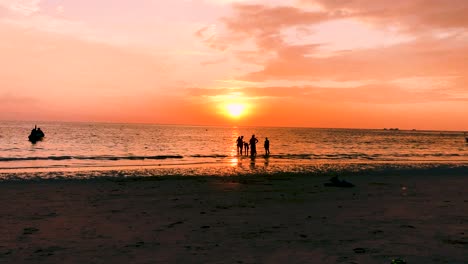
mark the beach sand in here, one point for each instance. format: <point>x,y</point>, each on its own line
<point>287,218</point>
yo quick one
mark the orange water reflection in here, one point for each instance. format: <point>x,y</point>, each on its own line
<point>234,162</point>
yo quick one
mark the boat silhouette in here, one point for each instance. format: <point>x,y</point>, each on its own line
<point>36,134</point>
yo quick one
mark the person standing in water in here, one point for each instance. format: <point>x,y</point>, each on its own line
<point>267,147</point>
<point>246,148</point>
<point>253,146</point>
<point>240,143</point>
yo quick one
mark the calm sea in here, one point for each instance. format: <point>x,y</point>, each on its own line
<point>97,146</point>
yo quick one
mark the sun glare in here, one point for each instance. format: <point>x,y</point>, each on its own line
<point>235,110</point>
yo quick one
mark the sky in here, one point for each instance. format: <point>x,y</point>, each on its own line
<point>301,63</point>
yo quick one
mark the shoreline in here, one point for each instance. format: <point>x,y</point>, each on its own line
<point>245,169</point>
<point>418,216</point>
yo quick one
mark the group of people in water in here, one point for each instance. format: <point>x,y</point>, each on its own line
<point>243,146</point>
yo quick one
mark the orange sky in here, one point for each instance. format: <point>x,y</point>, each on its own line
<point>312,63</point>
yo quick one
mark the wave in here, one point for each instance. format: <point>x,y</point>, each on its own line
<point>369,157</point>
<point>304,156</point>
<point>159,157</point>
<point>326,156</point>
<point>209,156</point>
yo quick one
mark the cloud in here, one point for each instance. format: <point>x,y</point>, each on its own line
<point>10,99</point>
<point>253,19</point>
<point>209,35</point>
<point>263,24</point>
<point>225,2</point>
<point>367,94</point>
<point>410,15</point>
<point>59,9</point>
<point>52,25</point>
<point>14,107</point>
<point>231,2</point>
<point>212,62</point>
<point>427,55</point>
<point>22,7</point>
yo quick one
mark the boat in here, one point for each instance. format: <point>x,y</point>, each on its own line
<point>36,134</point>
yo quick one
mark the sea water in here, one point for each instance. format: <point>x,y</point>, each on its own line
<point>103,146</point>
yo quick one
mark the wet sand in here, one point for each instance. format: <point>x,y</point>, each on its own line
<point>418,217</point>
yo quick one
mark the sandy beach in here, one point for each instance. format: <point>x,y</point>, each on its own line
<point>286,218</point>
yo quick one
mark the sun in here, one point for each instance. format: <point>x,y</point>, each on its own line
<point>235,110</point>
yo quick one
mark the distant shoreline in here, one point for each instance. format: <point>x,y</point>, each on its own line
<point>389,129</point>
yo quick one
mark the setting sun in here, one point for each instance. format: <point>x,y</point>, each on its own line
<point>235,109</point>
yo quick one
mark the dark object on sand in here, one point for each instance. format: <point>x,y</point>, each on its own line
<point>36,135</point>
<point>335,182</point>
<point>359,250</point>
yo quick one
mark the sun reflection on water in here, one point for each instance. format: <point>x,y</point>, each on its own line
<point>234,162</point>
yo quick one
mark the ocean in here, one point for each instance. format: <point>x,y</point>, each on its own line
<point>71,148</point>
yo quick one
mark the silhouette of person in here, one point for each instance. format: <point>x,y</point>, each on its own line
<point>39,132</point>
<point>241,143</point>
<point>253,146</point>
<point>267,146</point>
<point>246,148</point>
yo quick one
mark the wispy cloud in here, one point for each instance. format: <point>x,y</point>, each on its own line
<point>9,98</point>
<point>22,7</point>
<point>413,15</point>
<point>368,94</point>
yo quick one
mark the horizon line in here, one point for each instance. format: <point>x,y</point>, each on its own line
<point>227,125</point>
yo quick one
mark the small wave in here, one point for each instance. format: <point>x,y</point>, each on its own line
<point>209,156</point>
<point>343,156</point>
<point>159,157</point>
<point>37,158</point>
<point>407,155</point>
<point>292,156</point>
